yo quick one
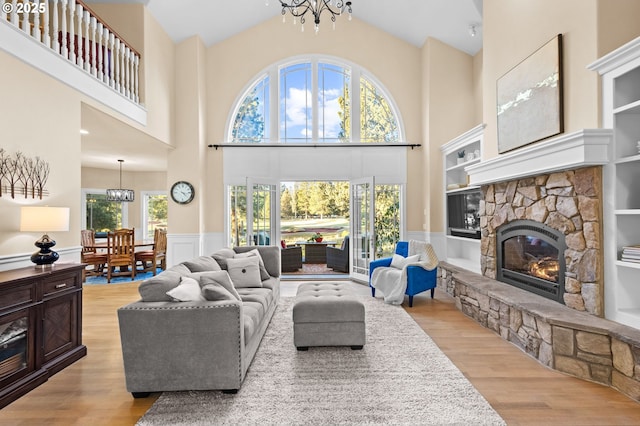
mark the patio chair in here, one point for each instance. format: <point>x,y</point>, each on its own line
<point>338,258</point>
<point>291,258</point>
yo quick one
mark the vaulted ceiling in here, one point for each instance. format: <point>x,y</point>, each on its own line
<point>215,20</point>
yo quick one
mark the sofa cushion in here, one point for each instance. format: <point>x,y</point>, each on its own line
<point>202,264</point>
<point>187,291</point>
<point>264,296</point>
<point>264,275</point>
<point>219,278</point>
<point>180,269</point>
<point>155,288</point>
<point>215,292</point>
<point>222,255</point>
<point>244,272</point>
<point>252,315</point>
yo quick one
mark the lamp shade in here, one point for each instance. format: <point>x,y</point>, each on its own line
<point>44,219</point>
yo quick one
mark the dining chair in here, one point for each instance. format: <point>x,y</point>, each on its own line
<point>121,254</point>
<point>90,255</point>
<point>150,258</point>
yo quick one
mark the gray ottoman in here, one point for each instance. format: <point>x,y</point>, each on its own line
<point>327,314</point>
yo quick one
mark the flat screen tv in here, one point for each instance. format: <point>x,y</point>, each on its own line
<point>463,211</point>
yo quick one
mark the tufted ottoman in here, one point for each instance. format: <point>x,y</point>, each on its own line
<point>327,314</point>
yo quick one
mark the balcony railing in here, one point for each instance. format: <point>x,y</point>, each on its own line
<point>75,32</point>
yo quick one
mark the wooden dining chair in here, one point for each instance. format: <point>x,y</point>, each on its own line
<point>150,258</point>
<point>121,254</point>
<point>90,255</point>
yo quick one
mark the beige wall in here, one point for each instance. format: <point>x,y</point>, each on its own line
<point>236,62</point>
<point>40,117</point>
<point>451,109</point>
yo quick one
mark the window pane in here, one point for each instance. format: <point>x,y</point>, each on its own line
<point>295,103</point>
<point>387,219</point>
<point>237,215</point>
<point>156,214</point>
<point>103,215</point>
<point>333,103</point>
<point>251,124</point>
<point>377,121</point>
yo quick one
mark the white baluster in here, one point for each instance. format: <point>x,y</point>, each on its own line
<point>63,14</point>
<point>99,47</point>
<point>127,53</point>
<point>25,23</point>
<point>94,62</point>
<point>54,33</point>
<point>80,42</point>
<point>46,37</point>
<point>107,58</point>
<point>132,60</point>
<point>116,57</point>
<point>35,31</point>
<point>14,16</point>
<point>112,59</point>
<point>72,37</point>
<point>86,42</point>
<point>135,76</point>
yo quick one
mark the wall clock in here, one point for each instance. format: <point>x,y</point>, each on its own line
<point>182,192</point>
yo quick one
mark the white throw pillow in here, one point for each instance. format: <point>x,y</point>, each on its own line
<point>244,272</point>
<point>188,291</point>
<point>399,262</point>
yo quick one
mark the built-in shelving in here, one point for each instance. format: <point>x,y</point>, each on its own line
<point>620,71</point>
<point>458,154</point>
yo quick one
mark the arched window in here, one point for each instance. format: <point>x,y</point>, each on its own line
<point>315,103</point>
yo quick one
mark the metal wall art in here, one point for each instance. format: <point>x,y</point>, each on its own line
<point>22,176</point>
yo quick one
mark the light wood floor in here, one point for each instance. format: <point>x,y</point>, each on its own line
<point>92,391</point>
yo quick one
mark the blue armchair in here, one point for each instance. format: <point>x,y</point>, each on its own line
<point>418,278</point>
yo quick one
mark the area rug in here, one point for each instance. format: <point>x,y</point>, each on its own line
<point>102,279</point>
<point>399,377</point>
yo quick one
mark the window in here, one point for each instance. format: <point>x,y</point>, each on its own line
<point>154,213</point>
<point>314,102</point>
<point>102,215</point>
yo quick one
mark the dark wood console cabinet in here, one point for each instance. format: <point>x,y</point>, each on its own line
<point>40,326</point>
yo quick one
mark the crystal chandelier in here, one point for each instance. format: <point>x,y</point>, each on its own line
<point>120,194</point>
<point>299,9</point>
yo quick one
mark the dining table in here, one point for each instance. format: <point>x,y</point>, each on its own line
<point>102,246</point>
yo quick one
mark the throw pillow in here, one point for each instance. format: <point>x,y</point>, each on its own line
<point>155,288</point>
<point>244,272</point>
<point>215,292</point>
<point>399,262</point>
<point>220,278</point>
<point>188,291</point>
<point>222,255</point>
<point>264,275</point>
<point>202,264</point>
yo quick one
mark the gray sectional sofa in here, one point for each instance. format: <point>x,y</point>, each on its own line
<point>198,324</point>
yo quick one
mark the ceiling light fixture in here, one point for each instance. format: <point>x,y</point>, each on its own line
<point>120,195</point>
<point>299,8</point>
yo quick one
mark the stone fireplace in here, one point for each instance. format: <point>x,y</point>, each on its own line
<point>565,204</point>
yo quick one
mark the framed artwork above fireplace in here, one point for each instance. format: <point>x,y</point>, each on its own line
<point>529,98</point>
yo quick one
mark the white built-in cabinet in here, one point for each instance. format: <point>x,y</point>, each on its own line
<point>457,154</point>
<point>620,71</point>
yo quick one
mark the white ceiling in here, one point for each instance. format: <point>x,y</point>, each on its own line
<point>215,20</point>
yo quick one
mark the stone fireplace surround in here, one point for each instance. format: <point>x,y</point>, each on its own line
<point>557,182</point>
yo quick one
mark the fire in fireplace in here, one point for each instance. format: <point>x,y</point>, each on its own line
<point>530,256</point>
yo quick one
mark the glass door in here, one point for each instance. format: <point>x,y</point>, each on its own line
<point>362,227</point>
<point>263,200</point>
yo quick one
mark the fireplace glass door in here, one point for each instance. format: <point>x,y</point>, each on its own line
<point>530,255</point>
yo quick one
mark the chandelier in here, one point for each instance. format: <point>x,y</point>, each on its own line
<point>120,194</point>
<point>299,9</point>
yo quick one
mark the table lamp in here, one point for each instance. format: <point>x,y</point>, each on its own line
<point>44,219</point>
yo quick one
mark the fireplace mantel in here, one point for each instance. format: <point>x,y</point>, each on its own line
<point>587,147</point>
